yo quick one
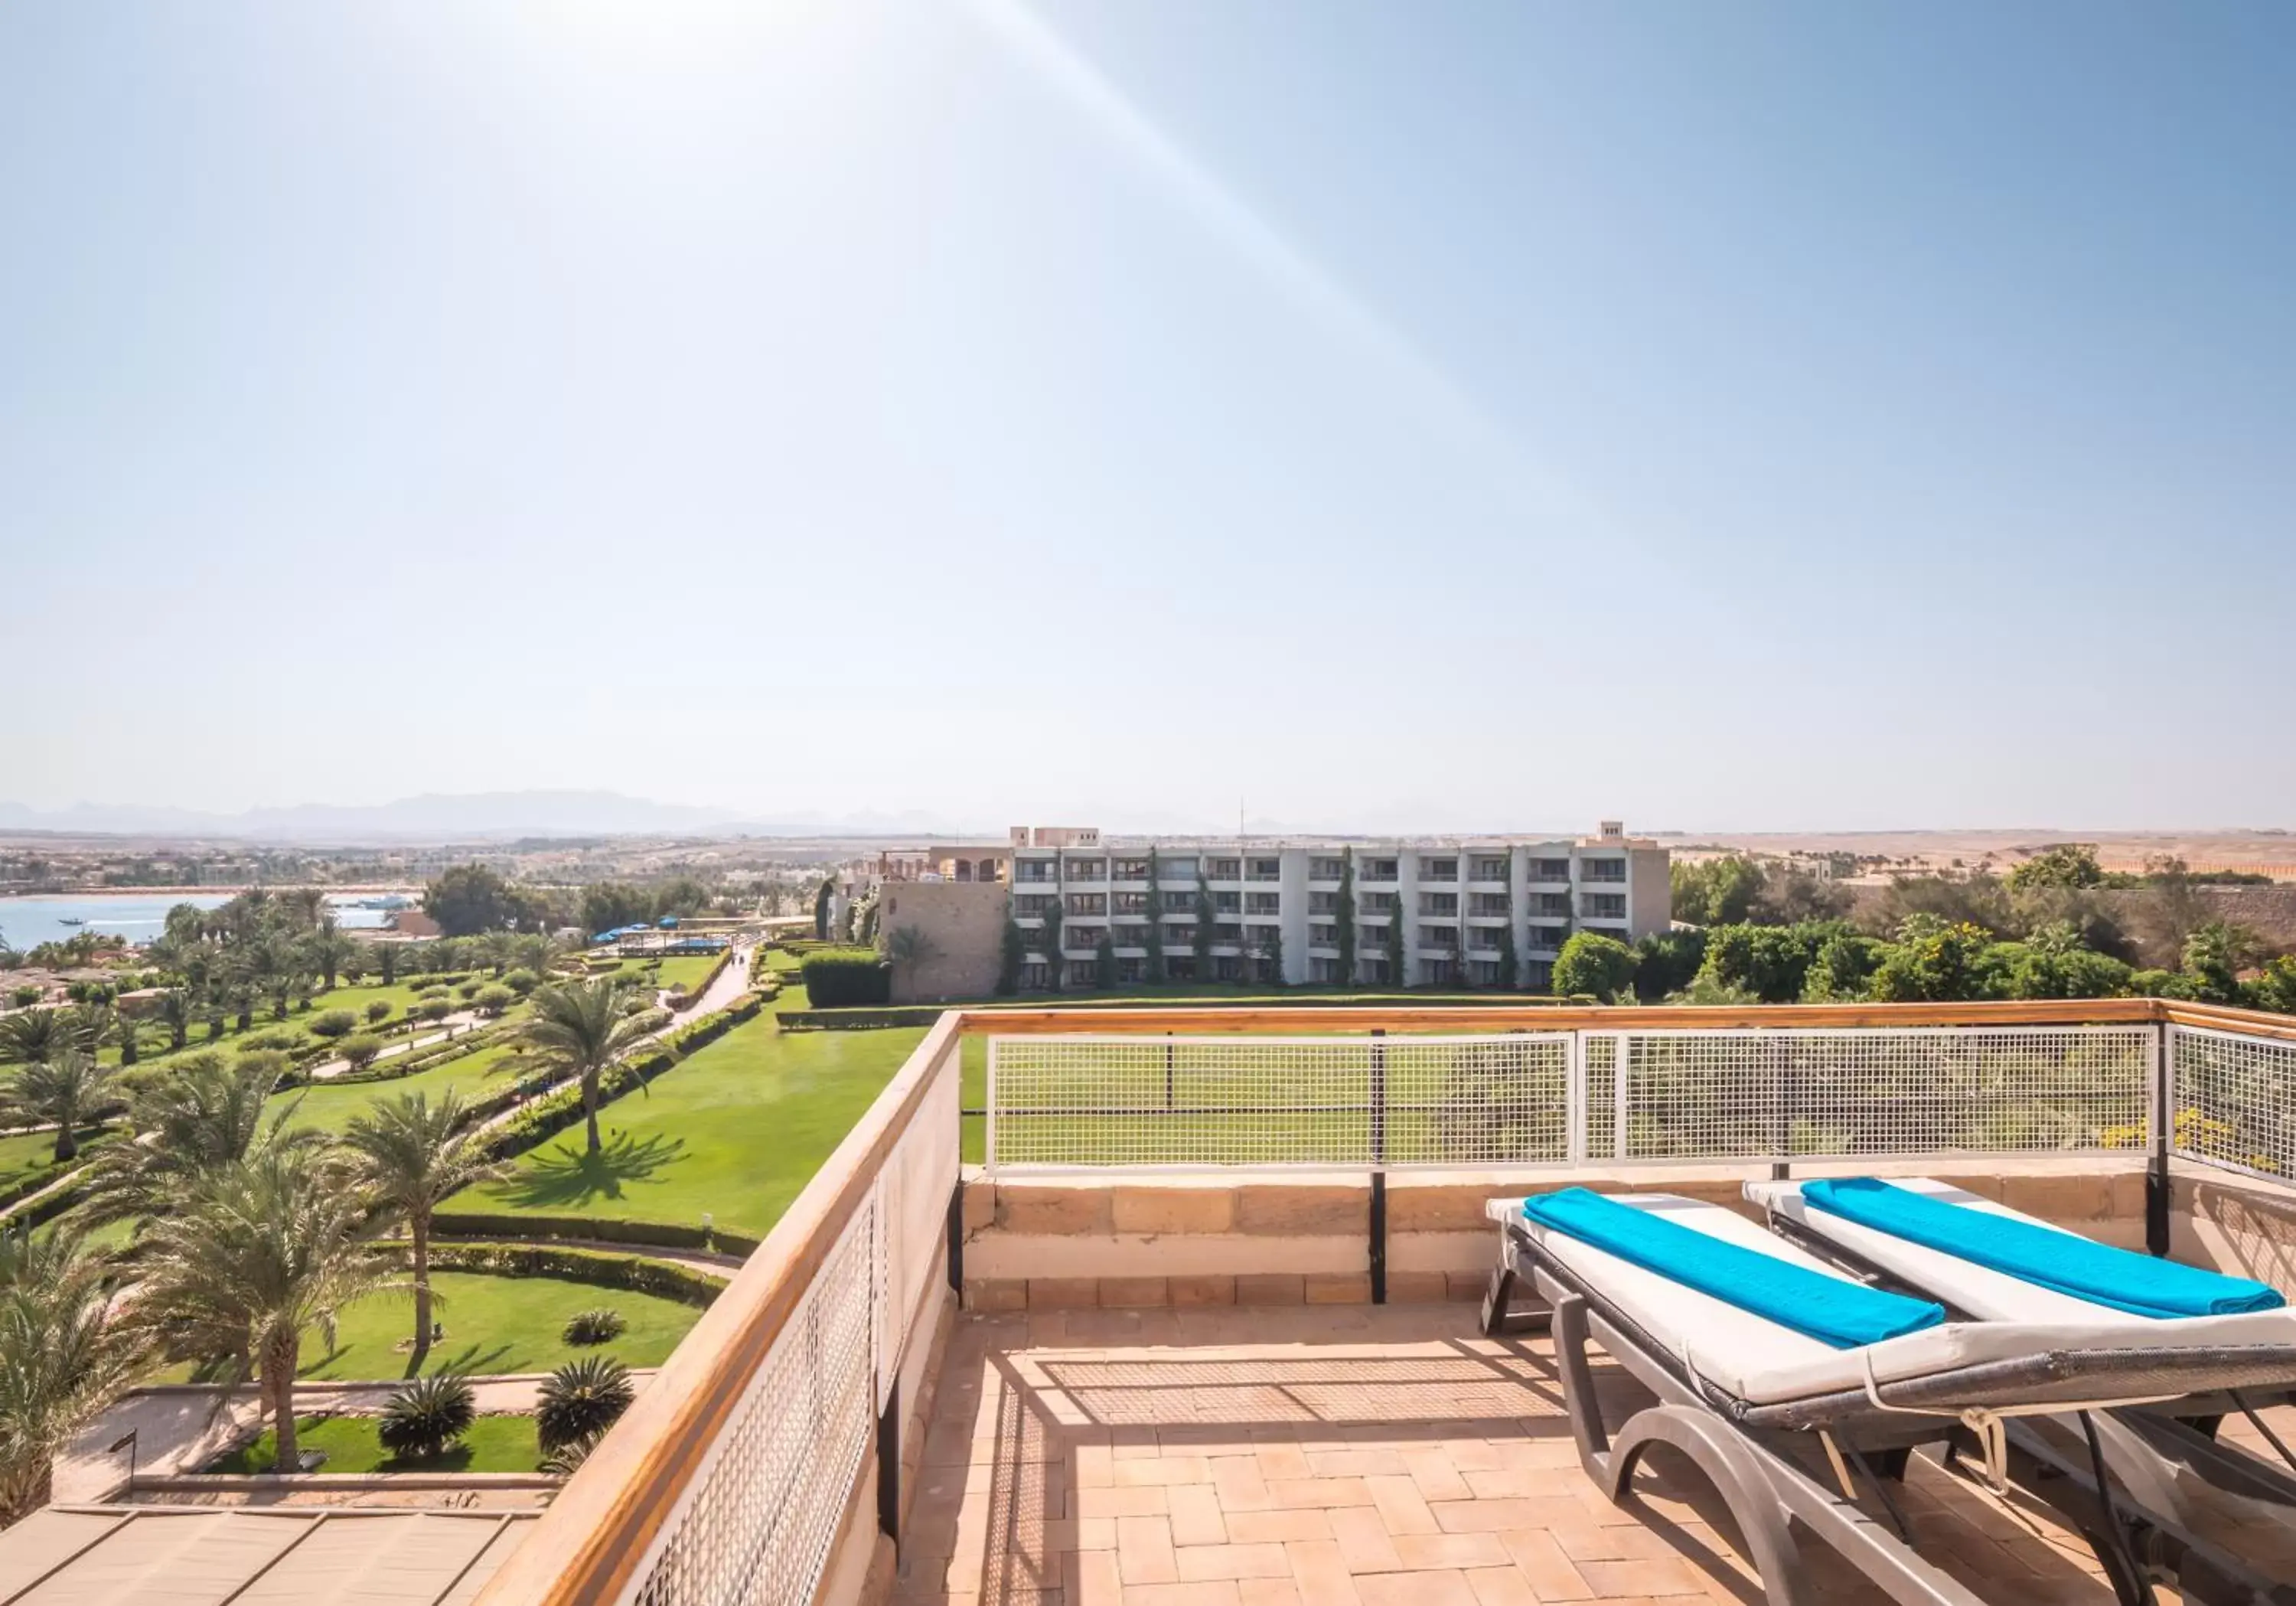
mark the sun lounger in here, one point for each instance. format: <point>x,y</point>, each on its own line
<point>1785,1421</point>
<point>2032,1278</point>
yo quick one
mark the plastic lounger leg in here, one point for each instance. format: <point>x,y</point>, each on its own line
<point>1496,1292</point>
<point>1722,1457</point>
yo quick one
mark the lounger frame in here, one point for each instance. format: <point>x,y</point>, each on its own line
<point>2145,1446</point>
<point>1740,1448</point>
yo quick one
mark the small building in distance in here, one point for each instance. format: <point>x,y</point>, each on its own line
<point>413,923</point>
<point>963,924</point>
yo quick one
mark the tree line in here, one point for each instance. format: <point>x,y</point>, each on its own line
<point>2058,926</point>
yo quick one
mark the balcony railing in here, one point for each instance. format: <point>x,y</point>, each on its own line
<point>764,1462</point>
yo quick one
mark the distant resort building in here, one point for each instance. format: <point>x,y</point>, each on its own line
<point>1463,905</point>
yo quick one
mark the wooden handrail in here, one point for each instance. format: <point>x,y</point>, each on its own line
<point>1586,1017</point>
<point>586,1547</point>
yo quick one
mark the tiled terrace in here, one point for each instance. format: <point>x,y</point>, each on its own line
<point>1333,1454</point>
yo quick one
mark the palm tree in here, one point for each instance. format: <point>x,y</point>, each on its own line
<point>908,948</point>
<point>93,1025</point>
<point>255,1252</point>
<point>327,950</point>
<point>579,1027</point>
<point>66,1088</point>
<point>412,1157</point>
<point>501,948</point>
<point>31,1036</point>
<point>174,1013</point>
<point>65,1354</point>
<point>206,1115</point>
<point>304,905</point>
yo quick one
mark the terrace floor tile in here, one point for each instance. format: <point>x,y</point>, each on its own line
<point>1380,1454</point>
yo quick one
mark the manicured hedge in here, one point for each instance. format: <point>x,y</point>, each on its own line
<point>24,1187</point>
<point>654,1235</point>
<point>421,1059</point>
<point>858,1020</point>
<point>838,977</point>
<point>632,1272</point>
<point>711,980</point>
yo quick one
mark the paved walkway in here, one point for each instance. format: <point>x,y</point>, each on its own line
<point>454,1026</point>
<point>732,982</point>
<point>1347,1456</point>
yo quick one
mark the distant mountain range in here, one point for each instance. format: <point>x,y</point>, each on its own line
<point>474,816</point>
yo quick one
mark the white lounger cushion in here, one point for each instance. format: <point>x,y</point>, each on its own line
<point>1759,1362</point>
<point>1980,1290</point>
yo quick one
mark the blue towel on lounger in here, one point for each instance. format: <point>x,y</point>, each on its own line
<point>2066,1262</point>
<point>1832,1309</point>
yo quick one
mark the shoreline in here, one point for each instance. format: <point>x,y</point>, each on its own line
<point>346,889</point>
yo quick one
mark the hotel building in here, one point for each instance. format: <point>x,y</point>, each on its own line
<point>1277,904</point>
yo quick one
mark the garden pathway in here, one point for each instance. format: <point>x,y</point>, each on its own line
<point>462,1021</point>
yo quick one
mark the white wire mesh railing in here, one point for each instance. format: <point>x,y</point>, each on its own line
<point>2234,1098</point>
<point>1537,1098</point>
<point>1105,1101</point>
<point>1802,1094</point>
<point>758,1522</point>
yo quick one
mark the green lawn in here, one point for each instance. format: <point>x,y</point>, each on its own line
<point>494,1444</point>
<point>735,1132</point>
<point>686,970</point>
<point>494,1325</point>
<point>24,1153</point>
<point>329,1106</point>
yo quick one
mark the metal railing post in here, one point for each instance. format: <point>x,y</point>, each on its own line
<point>1781,1109</point>
<point>2157,1189</point>
<point>1379,1165</point>
<point>989,1115</point>
<point>1574,1096</point>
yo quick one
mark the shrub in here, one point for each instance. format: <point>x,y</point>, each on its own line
<point>494,1001</point>
<point>378,1010</point>
<point>601,1325</point>
<point>521,982</point>
<point>428,993</point>
<point>360,1049</point>
<point>332,1023</point>
<point>567,1460</point>
<point>435,1008</point>
<point>24,998</point>
<point>1593,964</point>
<point>423,1417</point>
<point>837,978</point>
<point>581,1399</point>
<point>470,990</point>
<point>269,1043</point>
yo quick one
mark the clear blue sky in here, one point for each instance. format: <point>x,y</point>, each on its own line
<point>1475,416</point>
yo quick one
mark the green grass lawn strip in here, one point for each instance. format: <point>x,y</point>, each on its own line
<point>494,1325</point>
<point>734,1132</point>
<point>494,1444</point>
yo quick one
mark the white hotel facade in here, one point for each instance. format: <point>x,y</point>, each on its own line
<point>1454,897</point>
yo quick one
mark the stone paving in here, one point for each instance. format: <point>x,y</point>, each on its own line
<point>1333,1456</point>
